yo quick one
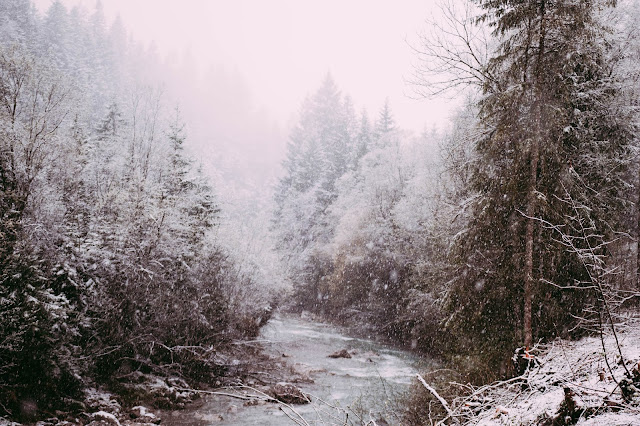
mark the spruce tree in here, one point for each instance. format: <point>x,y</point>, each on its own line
<point>17,22</point>
<point>386,122</point>
<point>551,133</point>
<point>363,139</point>
<point>319,153</point>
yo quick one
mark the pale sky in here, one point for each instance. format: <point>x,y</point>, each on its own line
<point>284,48</point>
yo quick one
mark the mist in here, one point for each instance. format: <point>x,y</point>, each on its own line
<point>241,70</point>
<point>295,212</point>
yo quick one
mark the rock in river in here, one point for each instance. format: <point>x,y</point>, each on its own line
<point>340,354</point>
<point>288,393</point>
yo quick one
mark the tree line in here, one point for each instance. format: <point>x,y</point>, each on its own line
<point>517,225</point>
<point>110,256</point>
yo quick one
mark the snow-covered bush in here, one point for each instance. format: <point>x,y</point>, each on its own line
<point>110,256</point>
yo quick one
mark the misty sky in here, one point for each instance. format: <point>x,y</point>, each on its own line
<point>285,47</point>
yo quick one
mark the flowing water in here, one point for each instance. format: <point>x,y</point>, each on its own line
<point>367,386</point>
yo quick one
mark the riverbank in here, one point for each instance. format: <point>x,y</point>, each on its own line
<point>370,384</point>
<point>144,398</point>
<point>591,381</point>
<point>364,381</point>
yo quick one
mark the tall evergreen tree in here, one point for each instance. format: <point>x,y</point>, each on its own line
<point>55,36</point>
<point>17,22</point>
<point>319,153</point>
<point>385,122</point>
<point>551,133</point>
<point>363,139</point>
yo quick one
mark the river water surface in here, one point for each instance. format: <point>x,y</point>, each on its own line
<point>369,386</point>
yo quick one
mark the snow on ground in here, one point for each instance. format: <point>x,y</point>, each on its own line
<point>578,368</point>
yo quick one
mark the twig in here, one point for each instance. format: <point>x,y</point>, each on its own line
<point>231,395</point>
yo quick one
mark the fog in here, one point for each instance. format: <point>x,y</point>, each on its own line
<point>284,47</point>
<point>246,66</point>
<point>192,191</point>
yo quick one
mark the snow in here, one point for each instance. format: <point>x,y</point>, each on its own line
<point>102,400</point>
<point>579,366</point>
<point>612,419</point>
<point>105,417</point>
<point>527,411</point>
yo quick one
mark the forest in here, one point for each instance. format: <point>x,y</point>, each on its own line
<point>481,245</point>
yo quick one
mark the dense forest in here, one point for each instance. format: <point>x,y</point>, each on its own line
<point>121,262</point>
<point>516,227</point>
<point>113,258</point>
<point>521,227</point>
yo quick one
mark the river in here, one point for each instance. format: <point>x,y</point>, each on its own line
<point>344,391</point>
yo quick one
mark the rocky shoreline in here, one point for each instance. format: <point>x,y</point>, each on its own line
<point>146,399</point>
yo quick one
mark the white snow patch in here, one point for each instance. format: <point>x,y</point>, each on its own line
<point>579,366</point>
<point>105,417</point>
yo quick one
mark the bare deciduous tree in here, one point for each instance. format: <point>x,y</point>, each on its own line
<point>452,52</point>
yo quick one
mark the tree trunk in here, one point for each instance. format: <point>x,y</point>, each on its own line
<point>637,230</point>
<point>528,266</point>
<point>534,157</point>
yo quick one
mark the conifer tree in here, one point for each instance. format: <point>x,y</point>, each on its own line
<point>363,139</point>
<point>385,122</point>
<point>319,153</point>
<point>17,22</point>
<point>55,36</point>
<point>551,131</point>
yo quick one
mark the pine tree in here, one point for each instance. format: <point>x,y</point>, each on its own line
<point>98,24</point>
<point>55,36</point>
<point>363,139</point>
<point>551,132</point>
<point>320,151</point>
<point>17,22</point>
<point>187,200</point>
<point>11,208</point>
<point>116,52</point>
<point>385,123</point>
<point>178,164</point>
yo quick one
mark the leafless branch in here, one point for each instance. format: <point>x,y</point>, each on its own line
<point>452,52</point>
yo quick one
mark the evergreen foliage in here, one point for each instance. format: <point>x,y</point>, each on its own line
<point>335,219</point>
<point>552,133</point>
<point>109,262</point>
<point>464,252</point>
<point>466,244</point>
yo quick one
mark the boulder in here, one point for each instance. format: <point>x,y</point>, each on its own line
<point>142,414</point>
<point>340,354</point>
<point>288,393</point>
<point>100,400</point>
<point>102,418</point>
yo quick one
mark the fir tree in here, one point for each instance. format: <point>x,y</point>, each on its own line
<point>385,123</point>
<point>363,139</point>
<point>319,153</point>
<point>551,133</point>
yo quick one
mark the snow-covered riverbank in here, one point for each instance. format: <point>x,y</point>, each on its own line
<point>572,383</point>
